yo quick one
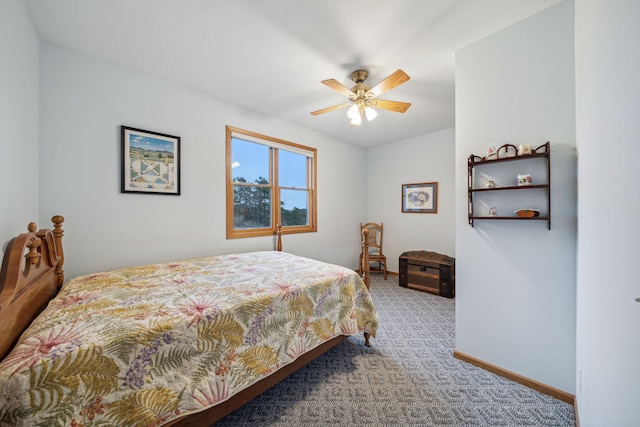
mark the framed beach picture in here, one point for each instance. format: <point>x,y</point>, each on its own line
<point>150,162</point>
<point>420,198</point>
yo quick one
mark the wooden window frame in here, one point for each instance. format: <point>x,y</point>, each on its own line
<point>274,144</point>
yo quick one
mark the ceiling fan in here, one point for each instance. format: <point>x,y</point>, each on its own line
<point>363,99</point>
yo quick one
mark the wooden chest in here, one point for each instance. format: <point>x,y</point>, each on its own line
<point>428,271</point>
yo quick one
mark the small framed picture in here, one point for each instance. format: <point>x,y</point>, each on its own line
<point>150,162</point>
<point>420,198</point>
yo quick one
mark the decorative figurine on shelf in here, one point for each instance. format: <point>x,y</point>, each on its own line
<point>507,150</point>
<point>490,184</point>
<point>493,211</point>
<point>492,152</point>
<point>524,149</point>
<point>524,179</point>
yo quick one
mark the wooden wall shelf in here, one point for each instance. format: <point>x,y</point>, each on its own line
<point>543,153</point>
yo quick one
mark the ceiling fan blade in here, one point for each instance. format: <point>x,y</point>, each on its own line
<point>394,80</point>
<point>338,87</point>
<point>398,107</point>
<point>335,107</point>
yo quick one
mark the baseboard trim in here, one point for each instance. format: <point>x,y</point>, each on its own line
<point>520,379</point>
<point>575,410</point>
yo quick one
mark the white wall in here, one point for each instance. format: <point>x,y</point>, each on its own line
<point>18,120</point>
<point>83,104</point>
<point>607,111</point>
<point>515,297</point>
<point>427,158</point>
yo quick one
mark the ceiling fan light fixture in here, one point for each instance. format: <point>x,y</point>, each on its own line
<point>353,112</point>
<point>370,113</point>
<point>356,120</point>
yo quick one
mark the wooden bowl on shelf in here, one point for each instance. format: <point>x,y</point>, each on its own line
<point>528,213</point>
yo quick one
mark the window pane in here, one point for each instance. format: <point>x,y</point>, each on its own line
<point>292,169</point>
<point>251,207</point>
<point>294,207</point>
<point>255,163</point>
<point>250,162</point>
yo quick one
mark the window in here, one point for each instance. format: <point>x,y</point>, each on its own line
<point>269,182</point>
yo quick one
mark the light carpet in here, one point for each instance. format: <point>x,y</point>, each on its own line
<point>408,377</point>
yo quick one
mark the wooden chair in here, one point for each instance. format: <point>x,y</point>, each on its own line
<point>375,247</point>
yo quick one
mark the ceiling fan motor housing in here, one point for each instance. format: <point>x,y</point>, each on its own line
<point>359,76</point>
<point>360,89</point>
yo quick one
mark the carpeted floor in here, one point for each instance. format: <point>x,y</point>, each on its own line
<point>407,378</point>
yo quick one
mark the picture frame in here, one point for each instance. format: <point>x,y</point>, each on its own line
<point>150,162</point>
<point>420,198</point>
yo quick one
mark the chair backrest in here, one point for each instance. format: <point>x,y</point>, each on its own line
<point>375,236</point>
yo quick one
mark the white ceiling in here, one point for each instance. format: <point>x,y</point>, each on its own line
<point>270,55</point>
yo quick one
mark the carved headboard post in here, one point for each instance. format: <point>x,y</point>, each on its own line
<point>34,243</point>
<point>58,232</point>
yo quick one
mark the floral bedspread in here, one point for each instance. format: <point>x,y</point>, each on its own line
<point>144,345</point>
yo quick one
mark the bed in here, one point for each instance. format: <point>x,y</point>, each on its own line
<point>179,343</point>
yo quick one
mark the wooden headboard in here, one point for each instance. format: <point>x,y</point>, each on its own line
<point>31,275</point>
